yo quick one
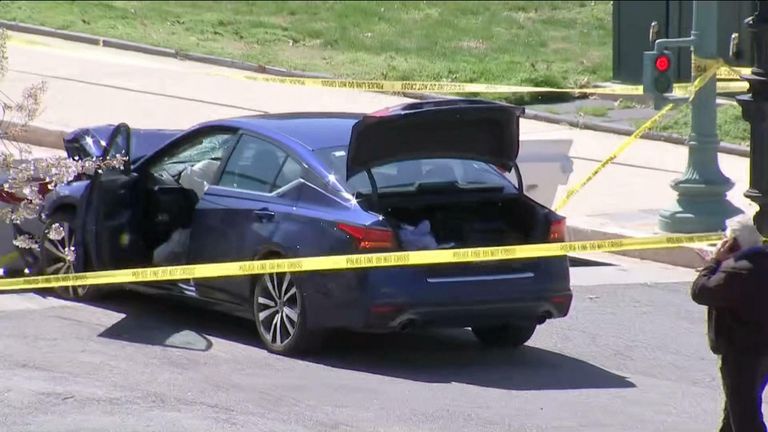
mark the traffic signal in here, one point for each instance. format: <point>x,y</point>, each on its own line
<point>657,76</point>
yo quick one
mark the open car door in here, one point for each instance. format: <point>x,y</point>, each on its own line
<point>111,208</point>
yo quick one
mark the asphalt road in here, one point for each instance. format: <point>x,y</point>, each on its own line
<point>632,356</point>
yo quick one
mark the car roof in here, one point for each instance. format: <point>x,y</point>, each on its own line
<point>312,129</point>
<point>320,130</point>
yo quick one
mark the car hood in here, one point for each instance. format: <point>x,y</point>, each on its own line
<point>487,132</point>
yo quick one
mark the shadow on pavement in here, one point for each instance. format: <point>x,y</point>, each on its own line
<point>445,356</point>
<point>150,331</point>
<point>161,322</point>
<point>434,356</point>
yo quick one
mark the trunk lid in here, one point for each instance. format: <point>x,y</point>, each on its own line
<point>452,129</point>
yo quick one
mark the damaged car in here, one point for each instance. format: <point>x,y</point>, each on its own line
<point>423,175</point>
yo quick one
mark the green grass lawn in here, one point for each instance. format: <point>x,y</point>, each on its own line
<point>731,127</point>
<point>547,43</point>
<point>594,111</point>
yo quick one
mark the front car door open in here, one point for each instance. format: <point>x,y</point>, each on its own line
<point>109,219</point>
<point>130,212</point>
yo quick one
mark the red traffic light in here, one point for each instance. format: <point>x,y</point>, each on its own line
<point>663,63</point>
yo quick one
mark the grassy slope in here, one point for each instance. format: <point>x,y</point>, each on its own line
<point>730,126</point>
<point>540,43</point>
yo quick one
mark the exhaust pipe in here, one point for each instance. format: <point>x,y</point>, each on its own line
<point>543,318</point>
<point>406,325</point>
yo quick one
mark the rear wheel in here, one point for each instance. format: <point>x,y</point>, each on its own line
<point>280,315</point>
<point>59,253</point>
<point>504,335</point>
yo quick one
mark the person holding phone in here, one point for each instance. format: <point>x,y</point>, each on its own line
<point>734,287</point>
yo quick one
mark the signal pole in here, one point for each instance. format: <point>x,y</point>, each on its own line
<point>701,204</point>
<point>754,109</point>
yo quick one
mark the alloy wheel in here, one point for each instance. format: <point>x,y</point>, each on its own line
<point>62,255</point>
<point>277,308</point>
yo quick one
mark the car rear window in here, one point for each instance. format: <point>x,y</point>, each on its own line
<point>412,174</point>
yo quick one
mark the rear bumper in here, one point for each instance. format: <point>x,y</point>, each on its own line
<point>442,296</point>
<point>524,311</point>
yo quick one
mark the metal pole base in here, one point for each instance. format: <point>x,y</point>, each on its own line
<point>702,204</point>
<point>692,215</point>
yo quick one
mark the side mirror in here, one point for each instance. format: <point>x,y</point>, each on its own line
<point>119,145</point>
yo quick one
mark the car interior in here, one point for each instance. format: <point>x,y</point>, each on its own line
<point>254,165</point>
<point>174,184</point>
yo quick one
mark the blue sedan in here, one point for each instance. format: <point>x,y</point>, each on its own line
<point>424,175</point>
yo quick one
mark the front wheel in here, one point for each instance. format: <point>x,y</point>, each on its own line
<point>280,315</point>
<point>505,335</point>
<point>59,252</point>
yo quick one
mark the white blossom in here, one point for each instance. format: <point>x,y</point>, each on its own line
<point>26,241</point>
<point>56,232</point>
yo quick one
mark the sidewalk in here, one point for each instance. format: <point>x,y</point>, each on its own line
<point>92,85</point>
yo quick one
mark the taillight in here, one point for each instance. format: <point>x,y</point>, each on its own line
<point>557,230</point>
<point>369,238</point>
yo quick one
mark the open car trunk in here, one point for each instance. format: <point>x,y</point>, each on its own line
<point>425,221</point>
<point>427,169</point>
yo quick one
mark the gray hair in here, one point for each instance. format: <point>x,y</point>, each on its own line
<point>743,230</point>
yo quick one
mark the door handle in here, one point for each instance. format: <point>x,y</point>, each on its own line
<point>264,215</point>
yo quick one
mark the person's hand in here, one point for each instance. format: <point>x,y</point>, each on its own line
<point>726,249</point>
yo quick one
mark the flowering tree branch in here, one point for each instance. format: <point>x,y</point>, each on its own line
<point>29,180</point>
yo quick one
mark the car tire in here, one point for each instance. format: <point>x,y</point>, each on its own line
<point>505,335</point>
<point>59,256</point>
<point>280,314</point>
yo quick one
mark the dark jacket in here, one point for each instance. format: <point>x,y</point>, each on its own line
<point>736,292</point>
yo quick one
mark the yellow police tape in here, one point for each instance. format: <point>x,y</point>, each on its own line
<point>426,86</point>
<point>698,66</point>
<point>700,81</point>
<point>353,262</point>
<point>732,73</point>
<point>624,145</point>
<point>726,72</point>
<point>455,87</point>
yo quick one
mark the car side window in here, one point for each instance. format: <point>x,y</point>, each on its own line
<point>291,171</point>
<point>206,148</point>
<point>259,166</point>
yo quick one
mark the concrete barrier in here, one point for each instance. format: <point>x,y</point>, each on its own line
<point>545,165</point>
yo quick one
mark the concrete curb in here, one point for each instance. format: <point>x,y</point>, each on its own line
<point>683,256</point>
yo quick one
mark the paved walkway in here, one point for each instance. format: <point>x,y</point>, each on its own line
<point>92,85</point>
